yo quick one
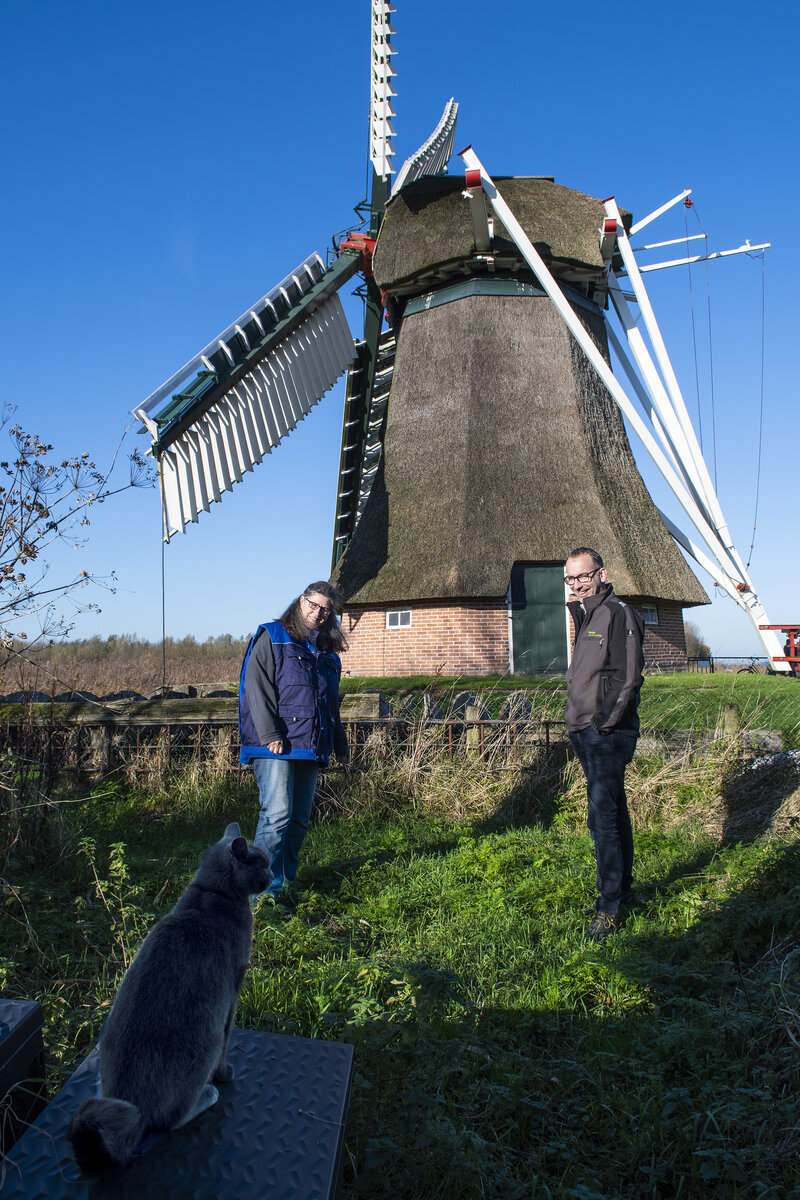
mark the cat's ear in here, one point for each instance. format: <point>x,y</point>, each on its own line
<point>232,830</point>
<point>239,849</point>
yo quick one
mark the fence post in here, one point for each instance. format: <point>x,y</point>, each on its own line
<point>472,713</point>
<point>730,720</point>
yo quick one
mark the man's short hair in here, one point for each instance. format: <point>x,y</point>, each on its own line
<point>581,550</point>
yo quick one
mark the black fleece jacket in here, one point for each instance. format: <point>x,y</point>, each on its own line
<point>605,673</point>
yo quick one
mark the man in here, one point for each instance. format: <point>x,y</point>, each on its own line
<point>603,683</point>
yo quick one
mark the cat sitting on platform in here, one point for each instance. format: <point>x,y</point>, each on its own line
<point>165,1042</point>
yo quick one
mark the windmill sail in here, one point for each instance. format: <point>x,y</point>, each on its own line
<point>433,156</point>
<point>381,111</point>
<point>248,388</point>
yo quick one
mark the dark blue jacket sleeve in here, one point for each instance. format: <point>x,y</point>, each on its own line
<point>262,696</point>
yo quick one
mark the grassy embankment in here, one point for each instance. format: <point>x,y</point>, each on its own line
<point>439,930</point>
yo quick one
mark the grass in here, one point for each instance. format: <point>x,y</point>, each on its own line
<point>439,931</point>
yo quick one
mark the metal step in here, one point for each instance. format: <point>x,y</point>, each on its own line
<point>276,1130</point>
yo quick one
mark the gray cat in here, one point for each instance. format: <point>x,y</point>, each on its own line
<point>166,1037</point>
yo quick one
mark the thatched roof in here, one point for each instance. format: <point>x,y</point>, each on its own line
<point>428,225</point>
<point>502,446</point>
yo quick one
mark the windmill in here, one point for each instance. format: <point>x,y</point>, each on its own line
<point>483,431</point>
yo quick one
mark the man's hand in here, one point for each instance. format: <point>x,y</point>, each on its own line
<point>276,747</point>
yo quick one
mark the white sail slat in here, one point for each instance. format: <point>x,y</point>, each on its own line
<point>262,412</point>
<point>340,331</point>
<point>271,377</point>
<point>185,485</point>
<point>243,456</point>
<point>213,427</point>
<point>325,345</point>
<point>195,466</point>
<point>170,495</point>
<point>301,371</point>
<point>242,405</point>
<point>309,356</point>
<point>206,448</point>
<point>230,442</point>
<point>249,392</point>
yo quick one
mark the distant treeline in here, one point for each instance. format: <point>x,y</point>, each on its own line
<point>119,663</point>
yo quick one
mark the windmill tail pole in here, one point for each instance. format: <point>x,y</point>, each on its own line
<point>740,593</point>
<point>729,573</point>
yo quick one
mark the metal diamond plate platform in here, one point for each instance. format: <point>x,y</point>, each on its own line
<point>22,1083</point>
<point>277,1129</point>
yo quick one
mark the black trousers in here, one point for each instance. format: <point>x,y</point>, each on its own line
<point>604,757</point>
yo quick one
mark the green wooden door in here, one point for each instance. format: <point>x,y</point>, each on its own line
<point>538,619</point>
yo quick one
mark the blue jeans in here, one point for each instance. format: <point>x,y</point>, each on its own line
<point>286,790</point>
<point>604,757</point>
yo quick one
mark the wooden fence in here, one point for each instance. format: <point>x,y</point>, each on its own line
<point>101,746</point>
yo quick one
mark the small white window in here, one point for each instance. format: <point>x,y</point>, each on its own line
<point>398,618</point>
<point>650,615</point>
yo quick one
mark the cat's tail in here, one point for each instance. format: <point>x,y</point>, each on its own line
<point>104,1133</point>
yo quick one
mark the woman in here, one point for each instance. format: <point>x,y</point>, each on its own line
<point>289,721</point>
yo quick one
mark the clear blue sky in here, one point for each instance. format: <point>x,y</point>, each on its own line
<point>166,164</point>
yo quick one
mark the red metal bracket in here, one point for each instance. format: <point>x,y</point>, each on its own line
<point>791,649</point>
<point>365,246</point>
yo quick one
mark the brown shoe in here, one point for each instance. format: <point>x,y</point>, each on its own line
<point>602,926</point>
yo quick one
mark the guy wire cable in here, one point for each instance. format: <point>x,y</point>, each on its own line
<point>163,619</point>
<point>686,204</point>
<point>761,403</point>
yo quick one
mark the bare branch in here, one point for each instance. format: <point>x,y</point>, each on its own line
<point>43,502</point>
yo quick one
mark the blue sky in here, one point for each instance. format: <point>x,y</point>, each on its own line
<point>167,164</point>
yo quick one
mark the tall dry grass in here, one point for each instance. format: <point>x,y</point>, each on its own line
<point>705,786</point>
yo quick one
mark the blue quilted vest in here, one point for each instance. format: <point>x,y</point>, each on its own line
<point>307,686</point>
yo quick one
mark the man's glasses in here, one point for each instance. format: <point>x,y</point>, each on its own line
<point>319,607</point>
<point>586,577</point>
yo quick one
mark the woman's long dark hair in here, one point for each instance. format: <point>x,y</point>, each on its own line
<point>331,635</point>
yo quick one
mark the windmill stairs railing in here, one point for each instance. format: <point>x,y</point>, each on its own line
<point>364,427</point>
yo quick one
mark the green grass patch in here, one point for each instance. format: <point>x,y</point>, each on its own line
<point>497,1053</point>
